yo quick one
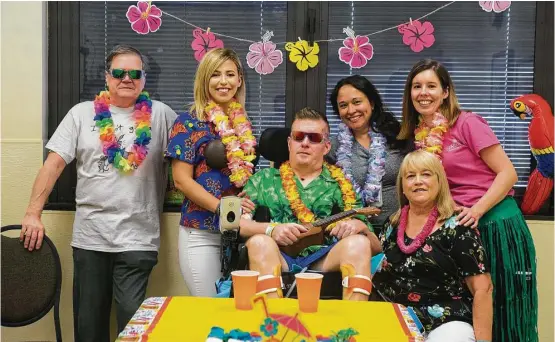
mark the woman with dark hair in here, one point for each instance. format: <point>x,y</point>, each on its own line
<point>366,148</point>
<point>481,177</point>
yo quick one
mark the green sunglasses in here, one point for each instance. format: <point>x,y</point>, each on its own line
<point>120,74</point>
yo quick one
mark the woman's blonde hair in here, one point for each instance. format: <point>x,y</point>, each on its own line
<point>422,160</point>
<point>449,108</point>
<point>207,66</point>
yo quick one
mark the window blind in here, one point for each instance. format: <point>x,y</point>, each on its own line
<point>172,65</point>
<point>490,57</point>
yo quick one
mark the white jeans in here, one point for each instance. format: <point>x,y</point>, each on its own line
<point>199,260</point>
<point>454,331</point>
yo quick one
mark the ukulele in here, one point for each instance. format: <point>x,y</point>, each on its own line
<point>317,229</point>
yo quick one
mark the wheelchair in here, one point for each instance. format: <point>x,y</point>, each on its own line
<point>273,147</point>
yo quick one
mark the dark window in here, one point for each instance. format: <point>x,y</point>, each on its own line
<point>492,58</point>
<point>489,56</point>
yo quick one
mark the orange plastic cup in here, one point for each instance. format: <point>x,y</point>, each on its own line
<point>308,290</point>
<point>244,288</point>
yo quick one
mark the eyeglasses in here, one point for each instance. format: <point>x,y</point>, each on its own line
<point>315,138</point>
<point>120,74</point>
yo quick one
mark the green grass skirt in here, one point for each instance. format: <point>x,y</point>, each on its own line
<point>512,255</point>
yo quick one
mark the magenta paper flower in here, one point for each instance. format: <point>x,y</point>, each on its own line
<point>144,18</point>
<point>204,42</point>
<point>496,6</point>
<point>417,35</point>
<point>357,50</point>
<point>263,56</point>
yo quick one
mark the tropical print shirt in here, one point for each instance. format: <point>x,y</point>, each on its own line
<point>432,279</point>
<point>188,139</point>
<point>265,188</point>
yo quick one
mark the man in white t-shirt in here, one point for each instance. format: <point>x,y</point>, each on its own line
<point>118,141</point>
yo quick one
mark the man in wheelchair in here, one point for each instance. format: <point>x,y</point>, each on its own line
<point>303,190</point>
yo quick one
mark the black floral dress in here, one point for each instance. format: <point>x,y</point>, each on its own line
<point>432,279</point>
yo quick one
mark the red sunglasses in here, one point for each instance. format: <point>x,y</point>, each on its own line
<point>314,138</point>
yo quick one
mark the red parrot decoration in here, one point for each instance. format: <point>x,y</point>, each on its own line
<point>540,136</point>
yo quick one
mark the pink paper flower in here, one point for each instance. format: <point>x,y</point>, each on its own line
<point>496,6</point>
<point>204,42</point>
<point>417,35</point>
<point>263,57</point>
<point>356,51</point>
<point>144,18</point>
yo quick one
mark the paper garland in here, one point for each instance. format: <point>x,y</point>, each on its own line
<point>263,56</point>
<point>144,17</point>
<point>495,6</point>
<point>303,55</point>
<point>204,42</point>
<point>417,35</point>
<point>357,50</point>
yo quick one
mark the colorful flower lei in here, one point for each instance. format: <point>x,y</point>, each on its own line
<point>117,156</point>
<point>300,210</point>
<point>371,193</point>
<point>235,131</point>
<point>431,138</point>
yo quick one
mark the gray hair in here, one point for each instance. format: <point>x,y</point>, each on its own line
<point>124,50</point>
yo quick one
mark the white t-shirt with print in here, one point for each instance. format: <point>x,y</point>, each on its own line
<point>115,211</point>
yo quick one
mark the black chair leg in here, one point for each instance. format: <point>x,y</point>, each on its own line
<point>57,319</point>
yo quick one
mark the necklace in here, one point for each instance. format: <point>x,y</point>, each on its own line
<point>300,210</point>
<point>371,191</point>
<point>431,138</point>
<point>421,237</point>
<point>235,131</point>
<point>117,156</point>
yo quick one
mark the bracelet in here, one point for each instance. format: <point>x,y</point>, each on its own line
<point>270,229</point>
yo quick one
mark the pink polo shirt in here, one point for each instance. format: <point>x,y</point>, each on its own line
<point>468,175</point>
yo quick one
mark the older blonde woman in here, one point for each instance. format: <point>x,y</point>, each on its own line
<point>217,114</point>
<point>433,264</point>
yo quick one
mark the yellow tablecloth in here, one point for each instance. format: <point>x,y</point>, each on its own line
<point>192,318</point>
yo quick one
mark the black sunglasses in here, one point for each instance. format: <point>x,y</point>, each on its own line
<point>314,138</point>
<point>120,74</point>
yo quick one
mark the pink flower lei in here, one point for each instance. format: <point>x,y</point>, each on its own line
<point>235,131</point>
<point>421,237</point>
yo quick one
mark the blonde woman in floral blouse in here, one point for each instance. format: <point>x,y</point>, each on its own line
<point>433,264</point>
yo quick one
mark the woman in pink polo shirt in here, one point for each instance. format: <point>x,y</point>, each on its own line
<point>481,177</point>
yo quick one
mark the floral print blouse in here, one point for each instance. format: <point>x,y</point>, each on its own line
<point>187,141</point>
<point>432,279</point>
